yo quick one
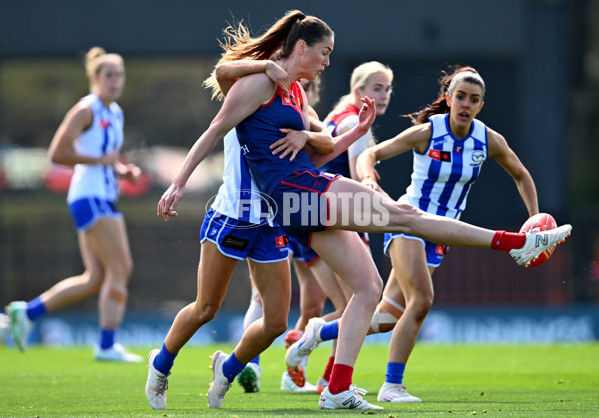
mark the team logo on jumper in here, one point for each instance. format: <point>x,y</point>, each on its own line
<point>104,124</point>
<point>250,206</point>
<point>478,157</point>
<point>440,155</point>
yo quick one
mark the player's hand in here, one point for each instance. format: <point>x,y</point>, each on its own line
<point>133,173</point>
<point>292,142</point>
<point>169,200</point>
<point>371,183</point>
<point>278,75</point>
<point>110,158</point>
<point>367,114</point>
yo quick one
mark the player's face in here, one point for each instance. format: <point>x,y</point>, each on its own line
<point>465,103</point>
<point>316,57</point>
<point>110,81</point>
<point>378,88</point>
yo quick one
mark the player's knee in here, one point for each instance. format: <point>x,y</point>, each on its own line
<point>385,316</point>
<point>205,313</point>
<point>274,327</point>
<point>421,307</point>
<point>117,291</point>
<point>313,309</point>
<point>377,288</point>
<point>407,216</point>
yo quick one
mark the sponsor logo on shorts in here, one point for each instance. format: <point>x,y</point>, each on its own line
<point>235,243</point>
<point>282,241</point>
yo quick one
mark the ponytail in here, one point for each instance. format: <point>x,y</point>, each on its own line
<point>277,43</point>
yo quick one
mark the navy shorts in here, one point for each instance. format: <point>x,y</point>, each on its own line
<point>434,252</point>
<point>238,239</point>
<point>85,212</point>
<point>302,207</point>
<point>296,249</point>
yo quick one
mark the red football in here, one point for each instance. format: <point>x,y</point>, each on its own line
<point>540,222</point>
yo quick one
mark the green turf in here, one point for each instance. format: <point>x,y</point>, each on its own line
<point>453,380</point>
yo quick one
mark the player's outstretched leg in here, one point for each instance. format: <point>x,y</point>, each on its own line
<point>156,385</point>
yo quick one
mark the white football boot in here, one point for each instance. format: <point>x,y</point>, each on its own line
<point>349,399</point>
<point>220,384</point>
<point>394,392</point>
<point>538,242</point>
<point>300,350</point>
<point>156,385</point>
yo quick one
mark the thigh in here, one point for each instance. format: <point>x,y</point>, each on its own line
<point>346,255</point>
<point>214,273</point>
<point>273,281</point>
<point>355,207</point>
<point>94,271</point>
<point>329,282</point>
<point>109,241</point>
<point>410,269</point>
<point>308,284</point>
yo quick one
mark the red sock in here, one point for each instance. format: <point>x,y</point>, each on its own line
<point>341,377</point>
<point>507,241</point>
<point>329,369</point>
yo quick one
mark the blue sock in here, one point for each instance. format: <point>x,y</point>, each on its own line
<point>330,330</point>
<point>35,309</point>
<point>164,360</point>
<point>232,367</point>
<point>106,338</point>
<point>395,372</point>
<point>256,360</point>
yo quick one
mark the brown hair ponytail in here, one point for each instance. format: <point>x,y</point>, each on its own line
<point>277,42</point>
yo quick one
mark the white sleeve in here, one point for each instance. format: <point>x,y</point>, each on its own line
<point>359,146</point>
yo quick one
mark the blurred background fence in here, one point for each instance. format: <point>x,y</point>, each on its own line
<point>539,58</point>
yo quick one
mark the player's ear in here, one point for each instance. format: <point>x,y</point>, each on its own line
<point>301,47</point>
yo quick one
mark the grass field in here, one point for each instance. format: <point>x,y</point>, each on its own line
<point>453,380</point>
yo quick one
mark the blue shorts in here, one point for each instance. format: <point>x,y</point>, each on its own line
<point>434,252</point>
<point>301,206</point>
<point>240,239</point>
<point>87,211</point>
